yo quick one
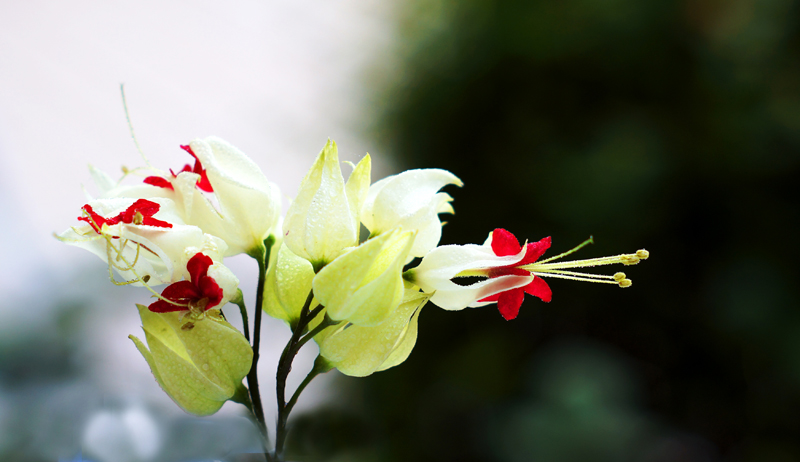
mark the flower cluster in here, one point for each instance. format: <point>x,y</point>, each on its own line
<point>336,268</point>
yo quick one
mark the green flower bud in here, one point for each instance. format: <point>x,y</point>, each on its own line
<point>323,219</point>
<point>199,367</point>
<point>365,285</point>
<point>360,351</point>
<point>288,284</point>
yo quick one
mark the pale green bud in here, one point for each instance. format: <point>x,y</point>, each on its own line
<point>365,285</point>
<point>288,284</point>
<point>199,367</point>
<point>359,351</point>
<point>323,219</point>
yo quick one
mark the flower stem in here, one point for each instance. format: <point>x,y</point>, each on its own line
<point>285,366</point>
<point>261,256</point>
<point>239,301</point>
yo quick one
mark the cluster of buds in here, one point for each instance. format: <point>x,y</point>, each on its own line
<point>353,291</point>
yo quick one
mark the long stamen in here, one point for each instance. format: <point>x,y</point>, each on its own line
<point>574,273</point>
<point>577,248</point>
<point>625,259</point>
<point>138,278</point>
<point>574,278</point>
<point>559,269</point>
<point>130,126</point>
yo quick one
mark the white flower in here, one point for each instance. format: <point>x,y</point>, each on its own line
<point>436,271</point>
<point>410,200</point>
<point>142,240</point>
<point>249,204</point>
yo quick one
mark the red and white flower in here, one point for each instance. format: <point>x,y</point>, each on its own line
<point>144,241</point>
<point>209,285</point>
<point>511,271</point>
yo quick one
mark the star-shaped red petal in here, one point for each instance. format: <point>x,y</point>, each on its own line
<point>504,243</point>
<point>201,290</point>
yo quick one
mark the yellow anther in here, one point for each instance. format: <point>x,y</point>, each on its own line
<point>552,268</point>
<point>125,170</point>
<point>188,326</point>
<point>138,218</point>
<point>146,278</point>
<point>630,260</point>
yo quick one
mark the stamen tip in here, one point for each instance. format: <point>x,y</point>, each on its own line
<point>619,276</point>
<point>625,283</point>
<point>628,260</point>
<point>643,254</point>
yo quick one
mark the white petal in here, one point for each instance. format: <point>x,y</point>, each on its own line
<point>451,296</point>
<point>398,197</point>
<point>445,262</point>
<point>226,280</point>
<point>249,204</point>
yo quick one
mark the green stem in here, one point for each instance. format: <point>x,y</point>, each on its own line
<point>327,322</point>
<point>320,367</point>
<point>285,366</point>
<point>239,301</point>
<point>261,256</point>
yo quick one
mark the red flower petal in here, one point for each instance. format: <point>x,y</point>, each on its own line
<point>159,181</point>
<point>535,250</point>
<point>504,243</point>
<point>160,306</point>
<point>203,184</point>
<point>198,267</point>
<point>150,221</point>
<point>188,149</point>
<point>182,292</point>
<point>509,303</point>
<point>95,220</point>
<point>145,207</point>
<point>211,290</point>
<point>491,298</point>
<point>539,288</point>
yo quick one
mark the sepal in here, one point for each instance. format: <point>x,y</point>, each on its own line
<point>365,285</point>
<point>199,368</point>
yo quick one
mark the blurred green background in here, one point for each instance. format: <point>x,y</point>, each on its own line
<point>668,125</point>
